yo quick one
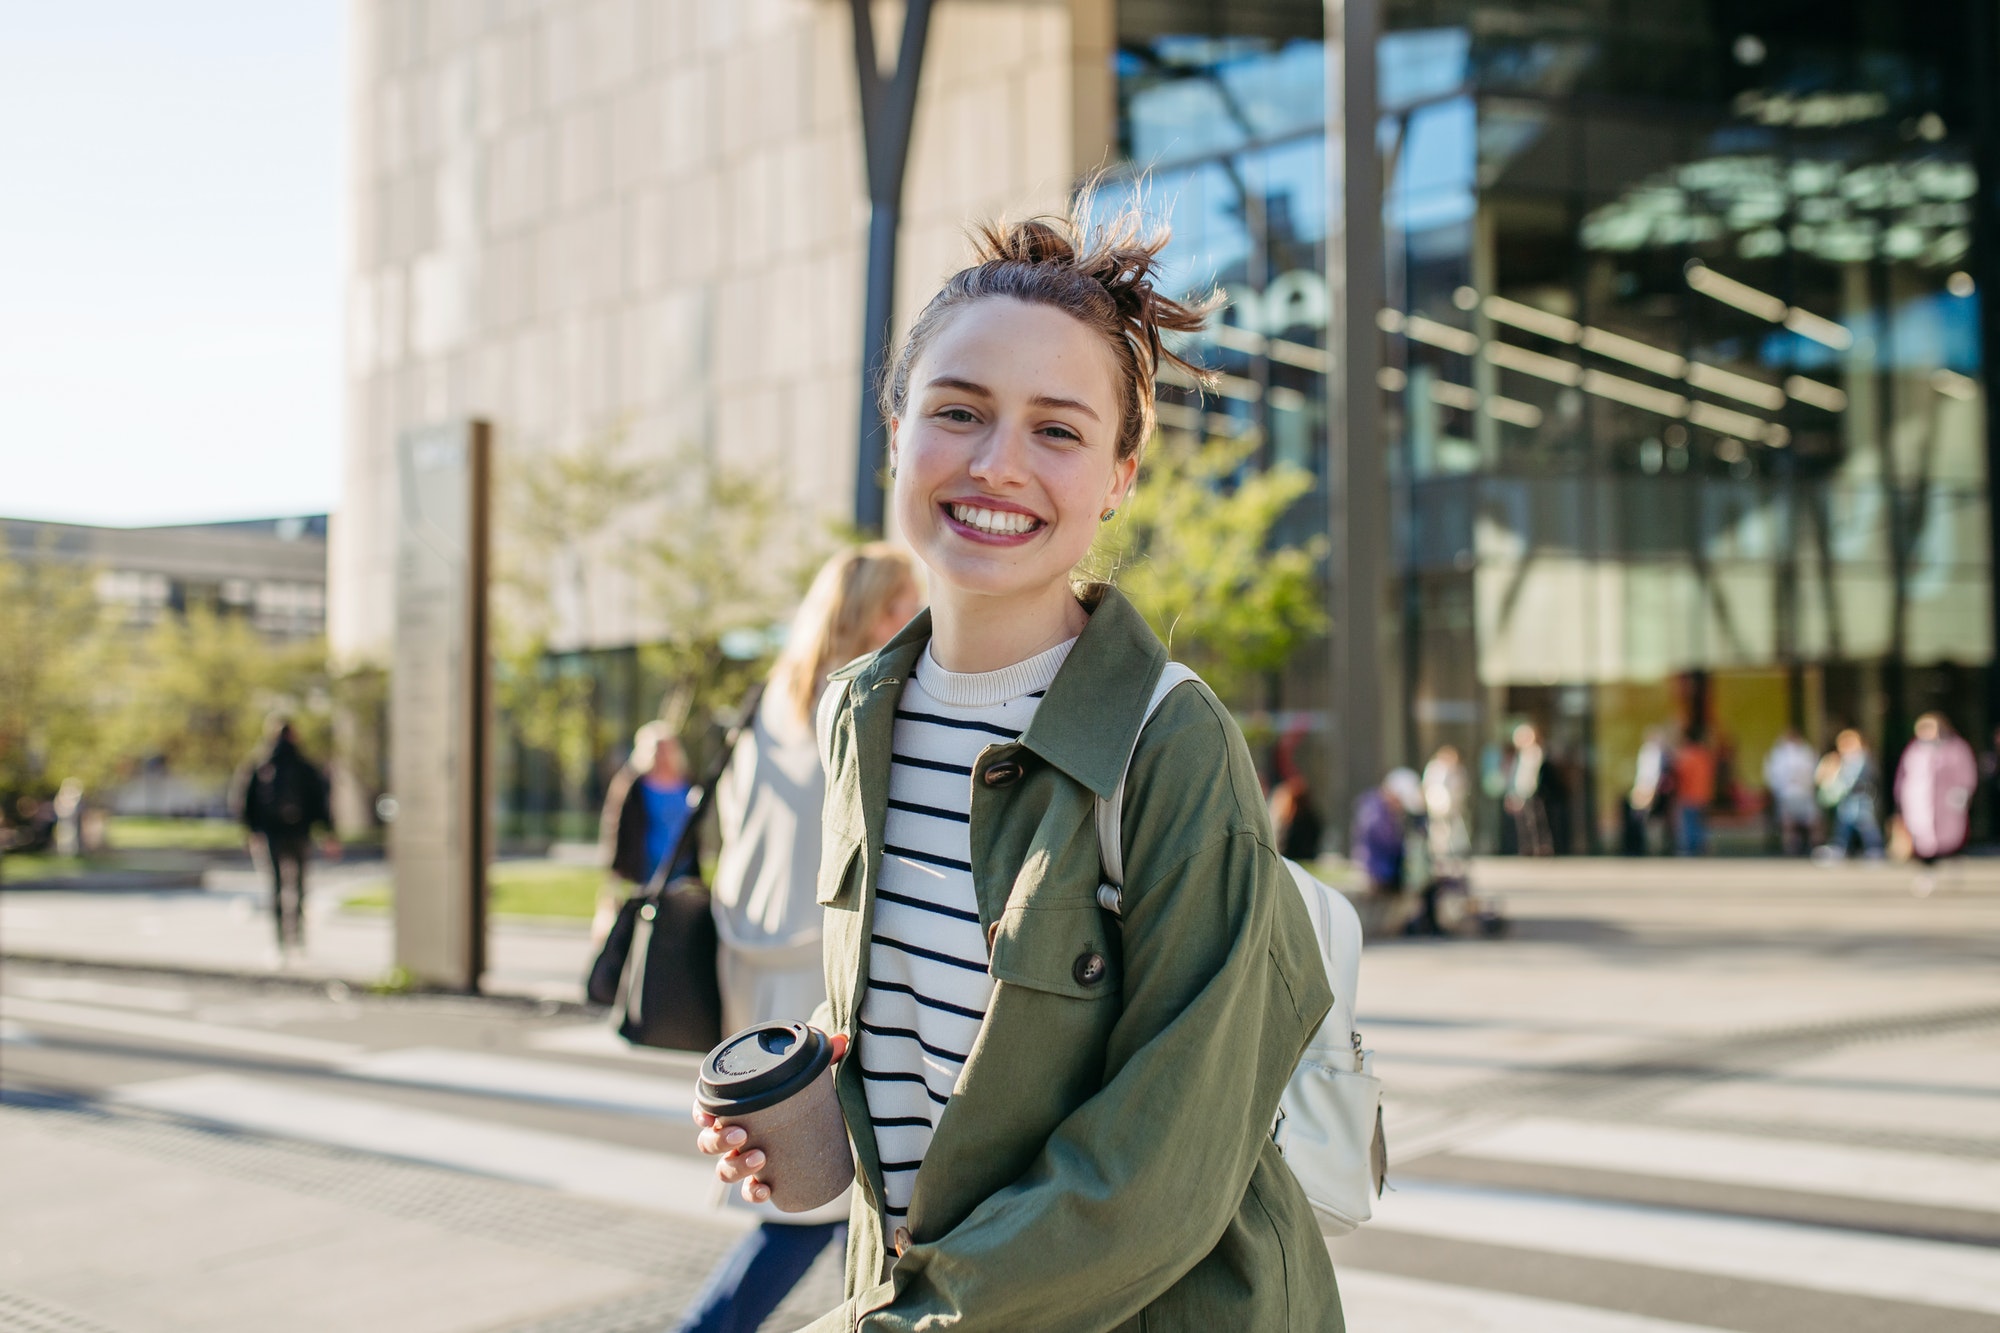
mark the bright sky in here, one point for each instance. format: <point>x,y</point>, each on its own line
<point>171,258</point>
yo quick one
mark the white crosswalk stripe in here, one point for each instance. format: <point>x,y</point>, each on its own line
<point>1383,1301</point>
<point>1740,1159</point>
<point>655,1181</point>
<point>620,1093</point>
<point>1816,1258</point>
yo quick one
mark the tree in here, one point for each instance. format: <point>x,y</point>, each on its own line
<point>703,567</point>
<point>717,577</point>
<point>201,687</point>
<point>554,507</point>
<point>51,681</point>
<point>1195,551</point>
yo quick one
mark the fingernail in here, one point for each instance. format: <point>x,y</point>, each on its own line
<point>735,1138</point>
<point>754,1160</point>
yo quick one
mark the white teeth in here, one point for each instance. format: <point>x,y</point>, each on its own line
<point>1000,523</point>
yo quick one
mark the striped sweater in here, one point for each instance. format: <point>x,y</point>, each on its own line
<point>928,985</point>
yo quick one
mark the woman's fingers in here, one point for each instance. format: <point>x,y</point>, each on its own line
<point>756,1191</point>
<point>839,1043</point>
<point>716,1142</point>
<point>735,1168</point>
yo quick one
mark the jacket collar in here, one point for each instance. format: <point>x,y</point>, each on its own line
<point>1088,720</point>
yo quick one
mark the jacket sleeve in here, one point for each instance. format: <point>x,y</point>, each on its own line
<point>1140,1182</point>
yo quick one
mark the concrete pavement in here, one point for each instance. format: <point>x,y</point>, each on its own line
<point>225,927</point>
<point>1679,1097</point>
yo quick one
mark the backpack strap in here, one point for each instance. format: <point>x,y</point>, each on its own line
<point>1111,813</point>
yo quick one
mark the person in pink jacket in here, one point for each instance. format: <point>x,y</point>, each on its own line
<point>1934,786</point>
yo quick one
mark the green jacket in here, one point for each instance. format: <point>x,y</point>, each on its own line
<point>1106,1160</point>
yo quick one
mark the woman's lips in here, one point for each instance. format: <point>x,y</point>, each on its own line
<point>987,535</point>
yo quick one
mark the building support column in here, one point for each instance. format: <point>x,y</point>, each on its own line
<point>1356,478</point>
<point>1984,39</point>
<point>888,109</point>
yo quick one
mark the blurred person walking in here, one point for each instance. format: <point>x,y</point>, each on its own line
<point>281,796</point>
<point>1378,835</point>
<point>1447,789</point>
<point>1788,777</point>
<point>1694,791</point>
<point>1935,781</point>
<point>1523,800</point>
<point>1849,784</point>
<point>1295,814</point>
<point>766,913</point>
<point>645,809</point>
<point>1652,798</point>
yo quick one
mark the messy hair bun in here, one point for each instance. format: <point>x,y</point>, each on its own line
<point>1101,274</point>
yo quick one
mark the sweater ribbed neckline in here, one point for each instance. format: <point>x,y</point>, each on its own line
<point>987,689</point>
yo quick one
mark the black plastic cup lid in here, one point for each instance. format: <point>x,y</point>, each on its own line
<point>760,1067</point>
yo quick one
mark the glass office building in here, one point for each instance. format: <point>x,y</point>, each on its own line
<point>1681,373</point>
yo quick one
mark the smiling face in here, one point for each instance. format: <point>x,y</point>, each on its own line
<point>1005,455</point>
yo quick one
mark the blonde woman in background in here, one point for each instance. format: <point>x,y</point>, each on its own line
<point>765,910</point>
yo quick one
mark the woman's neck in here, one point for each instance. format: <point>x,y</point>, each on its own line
<point>973,632</point>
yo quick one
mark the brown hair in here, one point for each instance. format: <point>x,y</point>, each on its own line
<point>1099,275</point>
<point>830,629</point>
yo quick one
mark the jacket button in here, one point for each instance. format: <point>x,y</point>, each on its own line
<point>1089,969</point>
<point>1002,774</point>
<point>903,1241</point>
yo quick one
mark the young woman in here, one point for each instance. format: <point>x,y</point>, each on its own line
<point>766,914</point>
<point>1061,1119</point>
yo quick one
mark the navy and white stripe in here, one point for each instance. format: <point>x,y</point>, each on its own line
<point>928,984</point>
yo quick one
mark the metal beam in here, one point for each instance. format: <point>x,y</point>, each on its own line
<point>888,110</point>
<point>1356,478</point>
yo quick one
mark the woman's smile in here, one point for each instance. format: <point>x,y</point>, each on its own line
<point>991,522</point>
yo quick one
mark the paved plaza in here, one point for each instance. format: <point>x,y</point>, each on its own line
<point>1678,1096</point>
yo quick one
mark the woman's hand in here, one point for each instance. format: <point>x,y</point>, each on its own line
<point>741,1160</point>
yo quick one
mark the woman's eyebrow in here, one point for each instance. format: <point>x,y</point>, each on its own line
<point>1073,404</point>
<point>963,386</point>
<point>1039,400</point>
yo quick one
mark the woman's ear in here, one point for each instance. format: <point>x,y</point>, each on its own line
<point>895,425</point>
<point>1124,473</point>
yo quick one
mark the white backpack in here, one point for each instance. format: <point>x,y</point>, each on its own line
<point>1330,1117</point>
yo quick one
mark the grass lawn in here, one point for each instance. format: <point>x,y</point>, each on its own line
<point>21,869</point>
<point>521,888</point>
<point>179,834</point>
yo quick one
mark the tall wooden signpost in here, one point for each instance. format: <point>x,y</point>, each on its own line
<point>439,706</point>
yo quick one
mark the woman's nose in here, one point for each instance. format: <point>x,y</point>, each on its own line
<point>1002,455</point>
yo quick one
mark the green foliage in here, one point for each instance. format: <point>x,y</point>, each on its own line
<point>84,695</point>
<point>552,508</point>
<point>709,572</point>
<point>361,736</point>
<point>51,679</point>
<point>201,687</point>
<point>1195,551</point>
<point>702,568</point>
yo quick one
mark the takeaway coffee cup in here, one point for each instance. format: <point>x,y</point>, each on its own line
<point>775,1081</point>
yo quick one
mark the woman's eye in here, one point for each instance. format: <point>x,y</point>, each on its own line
<point>961,415</point>
<point>1062,433</point>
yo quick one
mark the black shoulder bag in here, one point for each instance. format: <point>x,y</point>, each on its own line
<point>658,964</point>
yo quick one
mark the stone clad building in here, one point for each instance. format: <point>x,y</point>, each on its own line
<point>649,217</point>
<point>1636,353</point>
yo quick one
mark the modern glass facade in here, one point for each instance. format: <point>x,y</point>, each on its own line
<point>1683,392</point>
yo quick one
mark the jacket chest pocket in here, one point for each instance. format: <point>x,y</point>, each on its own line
<point>1064,951</point>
